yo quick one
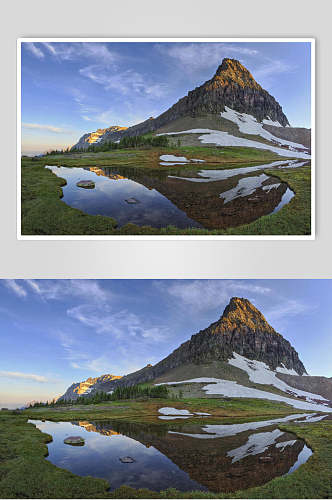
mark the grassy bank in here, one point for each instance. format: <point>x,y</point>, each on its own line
<point>43,212</point>
<point>148,410</point>
<point>24,472</point>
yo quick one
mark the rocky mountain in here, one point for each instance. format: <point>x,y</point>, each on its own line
<point>239,355</point>
<point>87,386</point>
<point>231,101</point>
<point>100,135</point>
<point>232,86</point>
<point>241,329</point>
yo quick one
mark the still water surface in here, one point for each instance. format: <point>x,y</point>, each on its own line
<point>227,458</point>
<point>182,196</point>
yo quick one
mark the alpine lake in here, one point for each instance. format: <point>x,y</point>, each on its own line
<point>186,456</point>
<point>180,194</point>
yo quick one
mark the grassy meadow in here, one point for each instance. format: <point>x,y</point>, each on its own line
<point>43,212</point>
<point>24,472</point>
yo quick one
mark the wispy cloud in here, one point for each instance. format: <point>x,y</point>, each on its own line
<point>197,56</point>
<point>125,82</point>
<point>118,325</point>
<point>50,128</point>
<point>26,376</point>
<point>288,307</point>
<point>36,51</point>
<point>271,68</point>
<point>96,51</point>
<point>200,295</point>
<point>58,289</point>
<point>15,287</point>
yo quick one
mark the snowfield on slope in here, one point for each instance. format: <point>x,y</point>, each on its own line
<point>225,139</point>
<point>260,373</point>
<point>249,125</point>
<point>232,389</point>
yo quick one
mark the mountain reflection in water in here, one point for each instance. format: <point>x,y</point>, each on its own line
<point>182,196</point>
<point>163,458</point>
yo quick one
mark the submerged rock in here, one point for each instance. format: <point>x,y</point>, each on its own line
<point>126,460</point>
<point>74,440</point>
<point>87,184</point>
<point>131,201</point>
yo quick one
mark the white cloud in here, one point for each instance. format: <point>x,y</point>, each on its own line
<point>125,82</point>
<point>197,56</point>
<point>121,324</point>
<point>50,128</point>
<point>36,51</point>
<point>203,295</point>
<point>15,287</point>
<point>96,51</point>
<point>58,289</point>
<point>289,307</point>
<point>271,68</point>
<point>26,376</point>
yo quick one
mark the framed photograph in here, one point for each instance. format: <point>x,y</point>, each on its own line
<point>222,397</point>
<point>207,138</point>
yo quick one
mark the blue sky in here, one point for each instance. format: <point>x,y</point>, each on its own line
<point>56,332</point>
<point>69,89</point>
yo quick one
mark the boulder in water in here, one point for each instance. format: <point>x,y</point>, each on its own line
<point>74,440</point>
<point>86,184</point>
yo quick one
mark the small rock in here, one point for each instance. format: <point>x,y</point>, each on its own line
<point>87,184</point>
<point>74,440</point>
<point>131,201</point>
<point>126,460</point>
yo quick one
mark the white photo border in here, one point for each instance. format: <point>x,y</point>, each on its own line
<point>310,40</point>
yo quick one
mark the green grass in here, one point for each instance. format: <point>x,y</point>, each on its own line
<point>43,212</point>
<point>148,410</point>
<point>24,472</point>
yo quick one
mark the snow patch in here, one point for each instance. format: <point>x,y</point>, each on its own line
<point>168,417</point>
<point>245,187</point>
<point>225,139</point>
<point>256,444</point>
<point>168,160</point>
<point>181,159</point>
<point>232,389</point>
<point>220,175</point>
<point>311,418</point>
<point>225,430</point>
<point>173,411</point>
<point>249,125</point>
<point>268,121</point>
<point>287,371</point>
<point>260,373</point>
<point>284,444</point>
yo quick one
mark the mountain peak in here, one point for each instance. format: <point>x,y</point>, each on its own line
<point>232,71</point>
<point>241,313</point>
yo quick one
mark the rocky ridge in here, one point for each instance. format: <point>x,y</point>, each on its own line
<point>92,384</point>
<point>96,137</point>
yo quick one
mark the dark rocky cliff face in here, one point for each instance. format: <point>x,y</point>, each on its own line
<point>241,329</point>
<point>232,86</point>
